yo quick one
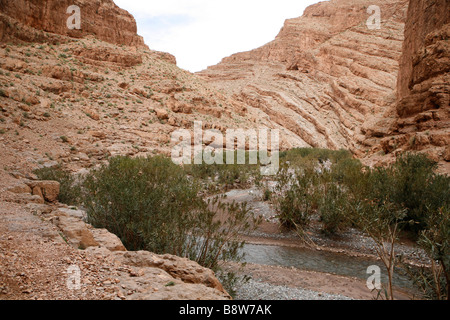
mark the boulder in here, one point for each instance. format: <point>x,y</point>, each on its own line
<point>48,190</point>
<point>180,268</point>
<point>76,232</point>
<point>19,188</point>
<point>162,114</point>
<point>446,155</point>
<point>108,240</point>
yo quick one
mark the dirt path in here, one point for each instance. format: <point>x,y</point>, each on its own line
<point>34,260</point>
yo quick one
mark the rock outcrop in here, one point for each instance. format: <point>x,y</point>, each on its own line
<point>37,20</point>
<point>141,275</point>
<point>423,87</point>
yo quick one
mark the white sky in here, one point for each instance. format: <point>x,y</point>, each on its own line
<point>202,32</point>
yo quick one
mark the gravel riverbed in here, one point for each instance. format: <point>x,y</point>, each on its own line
<point>257,290</point>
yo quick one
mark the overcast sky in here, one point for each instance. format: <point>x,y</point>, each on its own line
<point>202,32</point>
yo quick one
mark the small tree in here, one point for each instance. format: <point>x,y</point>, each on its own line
<point>436,242</point>
<point>381,221</point>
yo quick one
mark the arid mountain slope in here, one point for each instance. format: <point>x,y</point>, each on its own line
<point>79,100</point>
<point>327,78</point>
<point>82,100</point>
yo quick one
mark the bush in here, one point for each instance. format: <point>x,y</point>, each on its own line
<point>436,242</point>
<point>333,206</point>
<point>411,183</point>
<point>218,177</point>
<point>152,205</point>
<point>298,157</point>
<point>297,199</point>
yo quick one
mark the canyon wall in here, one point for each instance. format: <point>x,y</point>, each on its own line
<point>424,84</point>
<point>37,20</point>
<point>327,80</point>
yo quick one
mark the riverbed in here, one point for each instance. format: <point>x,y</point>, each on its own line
<point>284,267</point>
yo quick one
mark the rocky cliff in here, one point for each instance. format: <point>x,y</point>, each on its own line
<point>103,98</point>
<point>423,85</point>
<point>327,78</point>
<point>39,20</point>
<point>40,242</point>
<point>330,80</point>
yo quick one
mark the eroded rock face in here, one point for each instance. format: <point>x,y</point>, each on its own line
<point>30,20</point>
<point>425,49</point>
<point>423,110</point>
<point>48,190</point>
<point>179,268</point>
<point>327,79</point>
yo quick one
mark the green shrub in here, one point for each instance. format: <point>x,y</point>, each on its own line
<point>218,177</point>
<point>333,207</point>
<point>298,200</point>
<point>434,281</point>
<point>411,183</point>
<point>436,242</point>
<point>267,194</point>
<point>151,204</point>
<point>300,156</point>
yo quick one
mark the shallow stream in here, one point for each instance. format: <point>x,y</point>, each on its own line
<point>304,258</point>
<point>321,261</point>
